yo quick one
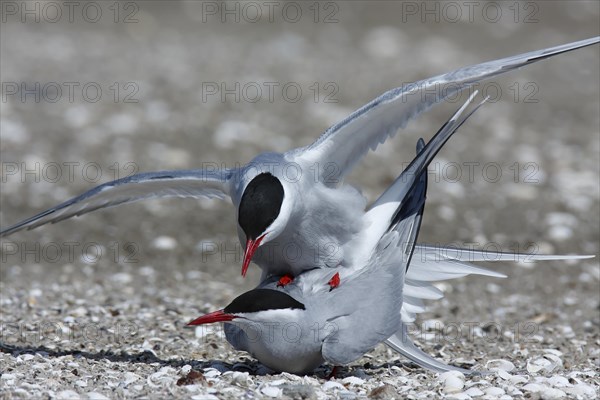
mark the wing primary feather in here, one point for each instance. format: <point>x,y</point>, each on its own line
<point>346,142</point>
<point>441,253</point>
<point>186,183</point>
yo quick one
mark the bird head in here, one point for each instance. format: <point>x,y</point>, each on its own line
<point>263,213</point>
<point>255,306</point>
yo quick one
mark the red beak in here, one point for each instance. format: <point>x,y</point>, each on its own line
<point>251,246</point>
<point>217,316</point>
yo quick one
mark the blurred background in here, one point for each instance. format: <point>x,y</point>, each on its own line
<point>102,90</point>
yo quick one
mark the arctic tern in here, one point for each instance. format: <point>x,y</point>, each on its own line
<point>295,328</point>
<point>317,214</point>
<point>323,314</point>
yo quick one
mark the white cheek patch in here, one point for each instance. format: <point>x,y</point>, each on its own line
<point>272,326</point>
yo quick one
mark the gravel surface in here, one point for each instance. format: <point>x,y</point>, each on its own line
<point>95,307</point>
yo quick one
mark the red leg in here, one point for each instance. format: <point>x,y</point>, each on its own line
<point>334,281</point>
<point>285,280</point>
<point>334,370</point>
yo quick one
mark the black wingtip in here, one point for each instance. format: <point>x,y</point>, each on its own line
<point>420,145</point>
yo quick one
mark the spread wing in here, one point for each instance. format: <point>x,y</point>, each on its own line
<point>342,145</point>
<point>185,183</point>
<point>406,195</point>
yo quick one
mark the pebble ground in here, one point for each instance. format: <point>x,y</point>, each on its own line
<point>95,307</point>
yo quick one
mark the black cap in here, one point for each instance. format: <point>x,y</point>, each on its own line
<point>260,204</point>
<point>262,300</point>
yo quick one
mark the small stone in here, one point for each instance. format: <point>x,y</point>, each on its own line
<point>192,378</point>
<point>186,369</point>
<point>331,385</point>
<point>555,352</point>
<point>560,232</point>
<point>548,363</point>
<point>504,365</point>
<point>433,325</point>
<point>79,312</point>
<point>297,391</point>
<point>211,373</point>
<point>352,380</point>
<point>130,377</point>
<point>385,391</point>
<point>122,278</point>
<point>559,381</point>
<point>240,378</point>
<point>582,390</point>
<point>503,374</point>
<point>533,387</point>
<point>164,243</point>
<point>518,379</point>
<point>474,392</point>
<point>570,301</point>
<point>271,391</point>
<point>567,331</point>
<point>513,391</point>
<point>493,288</point>
<point>454,381</point>
<point>460,396</point>
<point>68,395</point>
<point>549,393</point>
<point>96,396</point>
<point>494,391</point>
<point>278,382</point>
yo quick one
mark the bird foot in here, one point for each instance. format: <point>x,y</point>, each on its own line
<point>334,371</point>
<point>334,281</point>
<point>285,280</point>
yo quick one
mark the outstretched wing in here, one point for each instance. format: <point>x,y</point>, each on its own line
<point>186,183</point>
<point>343,144</point>
<point>406,196</point>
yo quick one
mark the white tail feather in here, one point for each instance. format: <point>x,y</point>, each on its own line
<point>431,271</point>
<point>401,343</point>
<point>436,253</point>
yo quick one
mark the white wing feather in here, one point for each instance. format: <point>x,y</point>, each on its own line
<point>343,144</point>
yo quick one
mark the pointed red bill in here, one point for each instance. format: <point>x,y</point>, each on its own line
<point>217,316</point>
<point>251,246</point>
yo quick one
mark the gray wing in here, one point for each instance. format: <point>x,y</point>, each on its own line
<point>375,318</point>
<point>185,183</point>
<point>362,322</point>
<point>403,197</point>
<point>407,223</point>
<point>342,145</point>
